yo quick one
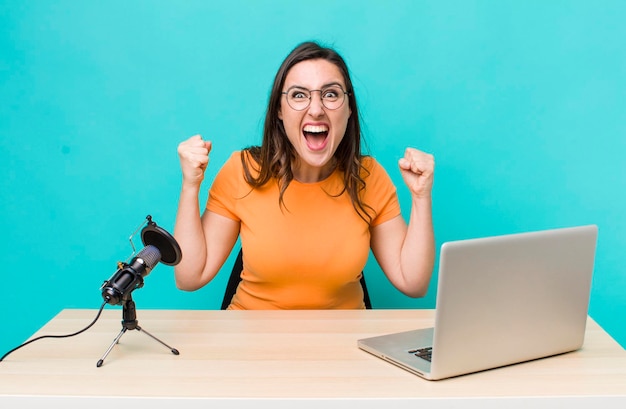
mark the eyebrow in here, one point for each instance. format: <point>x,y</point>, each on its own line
<point>330,84</point>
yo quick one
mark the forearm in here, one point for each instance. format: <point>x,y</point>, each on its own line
<point>417,256</point>
<point>189,234</point>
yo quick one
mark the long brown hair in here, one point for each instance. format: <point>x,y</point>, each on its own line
<point>276,154</point>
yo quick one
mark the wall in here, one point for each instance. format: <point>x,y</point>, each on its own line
<point>522,104</point>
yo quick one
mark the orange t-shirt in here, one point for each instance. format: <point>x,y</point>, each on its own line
<point>310,253</point>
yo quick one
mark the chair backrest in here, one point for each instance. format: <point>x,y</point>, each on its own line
<point>235,278</point>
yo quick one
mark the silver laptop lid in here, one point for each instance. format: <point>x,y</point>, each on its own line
<point>507,299</point>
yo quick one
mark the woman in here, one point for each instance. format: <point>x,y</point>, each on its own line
<point>307,204</point>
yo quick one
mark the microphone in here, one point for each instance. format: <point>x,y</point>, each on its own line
<point>159,246</point>
<point>129,277</point>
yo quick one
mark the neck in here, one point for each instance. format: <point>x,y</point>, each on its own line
<point>311,174</point>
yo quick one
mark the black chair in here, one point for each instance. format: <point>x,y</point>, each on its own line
<point>235,278</point>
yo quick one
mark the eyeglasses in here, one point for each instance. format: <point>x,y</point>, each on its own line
<point>299,98</point>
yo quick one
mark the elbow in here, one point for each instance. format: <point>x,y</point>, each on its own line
<point>185,284</point>
<point>419,292</point>
<point>419,287</point>
<point>422,283</point>
<point>191,280</point>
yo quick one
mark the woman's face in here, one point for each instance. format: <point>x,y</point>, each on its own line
<point>315,131</point>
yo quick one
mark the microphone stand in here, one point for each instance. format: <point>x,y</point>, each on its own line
<point>129,322</point>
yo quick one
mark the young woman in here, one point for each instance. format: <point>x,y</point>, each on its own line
<point>307,203</point>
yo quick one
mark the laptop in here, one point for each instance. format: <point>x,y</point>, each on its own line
<point>501,300</point>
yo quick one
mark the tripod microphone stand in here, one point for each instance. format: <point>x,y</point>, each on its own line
<point>129,322</point>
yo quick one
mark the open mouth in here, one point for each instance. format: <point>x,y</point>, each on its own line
<point>316,136</point>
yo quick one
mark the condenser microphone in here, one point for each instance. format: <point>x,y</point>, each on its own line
<point>159,246</point>
<point>130,276</point>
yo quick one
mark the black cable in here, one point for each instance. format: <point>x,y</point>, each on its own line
<point>58,336</point>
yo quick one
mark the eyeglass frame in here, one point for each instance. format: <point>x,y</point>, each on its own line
<point>310,98</point>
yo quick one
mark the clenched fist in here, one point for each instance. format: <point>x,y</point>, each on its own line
<point>194,159</point>
<point>417,170</point>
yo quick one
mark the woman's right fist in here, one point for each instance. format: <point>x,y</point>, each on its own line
<point>194,159</point>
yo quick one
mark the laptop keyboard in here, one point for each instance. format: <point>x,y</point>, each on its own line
<point>424,353</point>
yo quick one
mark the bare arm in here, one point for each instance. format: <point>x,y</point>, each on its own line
<point>205,241</point>
<point>406,254</point>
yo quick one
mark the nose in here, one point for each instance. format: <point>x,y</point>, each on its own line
<point>316,108</point>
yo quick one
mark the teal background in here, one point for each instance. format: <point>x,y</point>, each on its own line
<point>521,102</point>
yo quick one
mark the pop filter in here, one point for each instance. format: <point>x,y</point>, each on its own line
<point>154,235</point>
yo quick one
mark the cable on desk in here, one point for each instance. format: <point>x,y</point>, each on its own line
<point>57,336</point>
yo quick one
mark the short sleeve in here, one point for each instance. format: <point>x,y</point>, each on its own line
<point>380,192</point>
<point>224,190</point>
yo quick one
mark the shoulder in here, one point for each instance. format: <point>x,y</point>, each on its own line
<point>377,180</point>
<point>369,162</point>
<point>232,165</point>
<point>372,169</point>
<point>238,159</point>
<point>230,182</point>
<point>240,167</point>
<point>380,192</point>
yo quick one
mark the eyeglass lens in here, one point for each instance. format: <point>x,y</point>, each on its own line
<point>300,98</point>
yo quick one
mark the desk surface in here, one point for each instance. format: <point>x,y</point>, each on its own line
<point>279,355</point>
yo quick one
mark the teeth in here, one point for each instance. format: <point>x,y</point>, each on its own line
<point>316,128</point>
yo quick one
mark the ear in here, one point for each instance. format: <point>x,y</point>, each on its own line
<point>280,112</point>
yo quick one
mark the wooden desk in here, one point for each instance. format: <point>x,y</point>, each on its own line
<point>282,359</point>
